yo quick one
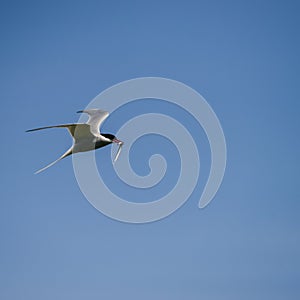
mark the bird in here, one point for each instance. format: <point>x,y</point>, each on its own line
<point>86,136</point>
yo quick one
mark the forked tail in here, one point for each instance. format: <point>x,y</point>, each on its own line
<point>68,152</point>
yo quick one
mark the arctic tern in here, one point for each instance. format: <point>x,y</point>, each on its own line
<point>86,136</point>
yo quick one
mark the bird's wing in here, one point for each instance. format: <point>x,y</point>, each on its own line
<point>68,152</point>
<point>96,118</point>
<point>76,130</point>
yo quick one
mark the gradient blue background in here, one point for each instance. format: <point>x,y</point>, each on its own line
<point>243,57</point>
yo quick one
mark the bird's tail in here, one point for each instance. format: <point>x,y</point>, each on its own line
<point>68,152</point>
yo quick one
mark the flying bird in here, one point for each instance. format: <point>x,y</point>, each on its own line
<point>86,136</point>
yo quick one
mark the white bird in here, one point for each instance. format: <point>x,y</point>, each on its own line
<point>86,136</point>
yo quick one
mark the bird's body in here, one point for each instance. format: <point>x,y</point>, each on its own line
<point>86,136</point>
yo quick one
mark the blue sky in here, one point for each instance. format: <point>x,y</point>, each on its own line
<point>243,57</point>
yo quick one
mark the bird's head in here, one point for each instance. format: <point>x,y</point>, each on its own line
<point>112,138</point>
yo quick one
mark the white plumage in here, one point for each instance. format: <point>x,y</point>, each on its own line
<point>86,136</point>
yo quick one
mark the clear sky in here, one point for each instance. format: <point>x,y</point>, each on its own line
<point>243,57</point>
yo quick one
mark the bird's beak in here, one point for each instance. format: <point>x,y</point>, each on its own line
<point>115,140</point>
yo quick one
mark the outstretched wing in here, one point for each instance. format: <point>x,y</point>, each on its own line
<point>96,118</point>
<point>76,130</point>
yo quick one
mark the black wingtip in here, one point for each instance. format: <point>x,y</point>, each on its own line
<point>79,111</point>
